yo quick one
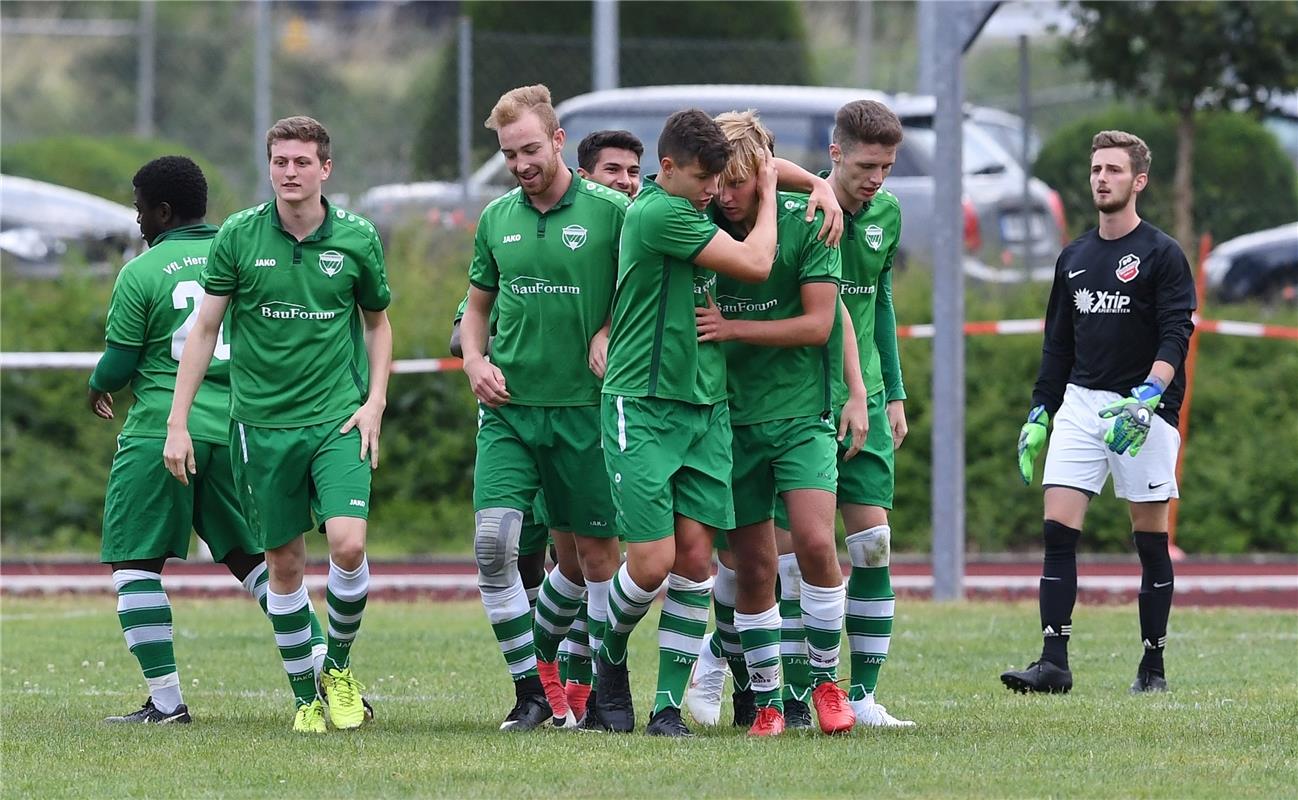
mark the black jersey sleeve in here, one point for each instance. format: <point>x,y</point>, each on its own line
<point>1175,303</point>
<point>1057,351</point>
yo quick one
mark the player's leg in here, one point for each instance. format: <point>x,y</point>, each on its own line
<point>721,651</point>
<point>272,469</point>
<point>574,662</point>
<point>1148,481</point>
<point>146,519</point>
<point>557,605</point>
<point>600,557</point>
<point>703,503</point>
<point>1076,469</point>
<point>505,484</point>
<point>533,545</point>
<point>643,441</point>
<point>793,636</point>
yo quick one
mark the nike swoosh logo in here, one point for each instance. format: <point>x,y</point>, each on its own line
<point>1161,585</point>
<point>1156,485</point>
<point>1075,273</point>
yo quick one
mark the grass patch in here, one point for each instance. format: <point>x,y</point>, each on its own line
<point>440,689</point>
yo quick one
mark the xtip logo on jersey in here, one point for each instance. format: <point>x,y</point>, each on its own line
<point>526,284</point>
<point>1088,302</point>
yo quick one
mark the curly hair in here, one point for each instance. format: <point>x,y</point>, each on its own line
<point>177,181</point>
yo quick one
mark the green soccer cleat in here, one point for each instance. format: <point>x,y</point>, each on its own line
<point>310,718</point>
<point>342,693</point>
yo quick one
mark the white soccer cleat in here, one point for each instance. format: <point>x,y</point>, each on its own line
<point>870,714</point>
<point>566,721</point>
<point>707,683</point>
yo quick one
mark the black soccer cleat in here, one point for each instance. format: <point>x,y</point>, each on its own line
<point>612,701</point>
<point>745,707</point>
<point>590,721</point>
<point>1040,676</point>
<point>797,714</point>
<point>667,722</point>
<point>369,710</point>
<point>530,712</point>
<point>1148,683</point>
<point>150,715</point>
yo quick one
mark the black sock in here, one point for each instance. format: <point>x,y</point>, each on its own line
<point>1155,596</point>
<point>1058,590</point>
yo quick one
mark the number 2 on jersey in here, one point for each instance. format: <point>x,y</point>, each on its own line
<point>185,294</point>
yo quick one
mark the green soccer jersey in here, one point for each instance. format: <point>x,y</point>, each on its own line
<point>553,275</point>
<point>869,245</point>
<point>773,383</point>
<point>296,335</point>
<point>154,305</point>
<point>653,347</point>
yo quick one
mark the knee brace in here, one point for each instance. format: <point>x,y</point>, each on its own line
<point>495,546</point>
<point>870,547</point>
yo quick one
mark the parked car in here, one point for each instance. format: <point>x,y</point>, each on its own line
<point>44,226</point>
<point>997,234</point>
<point>1262,265</point>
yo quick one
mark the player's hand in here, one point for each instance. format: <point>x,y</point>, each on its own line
<point>1032,437</point>
<point>854,419</point>
<point>822,197</point>
<point>100,403</point>
<point>368,419</point>
<point>768,178</point>
<point>597,355</point>
<point>178,454</point>
<point>713,327</point>
<point>896,410</point>
<point>1132,417</point>
<point>487,382</point>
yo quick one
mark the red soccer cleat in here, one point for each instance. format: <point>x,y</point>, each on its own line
<point>577,694</point>
<point>549,672</point>
<point>832,708</point>
<point>770,722</point>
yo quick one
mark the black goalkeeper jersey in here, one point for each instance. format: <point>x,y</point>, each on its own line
<point>1116,307</point>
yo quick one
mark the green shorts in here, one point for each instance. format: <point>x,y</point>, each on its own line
<point>667,458</point>
<point>290,474</point>
<point>868,478</point>
<point>526,449</point>
<point>779,456</point>
<point>149,514</point>
<point>536,533</point>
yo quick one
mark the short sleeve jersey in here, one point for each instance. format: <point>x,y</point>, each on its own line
<point>296,335</point>
<point>553,274</point>
<point>772,383</point>
<point>869,245</point>
<point>154,305</point>
<point>653,348</point>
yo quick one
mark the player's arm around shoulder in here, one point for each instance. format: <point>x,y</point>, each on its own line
<point>750,260</point>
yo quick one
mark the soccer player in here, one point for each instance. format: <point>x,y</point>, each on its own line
<point>545,254</point>
<point>1117,329</point>
<point>611,158</point>
<point>311,349</point>
<point>783,340</point>
<point>864,147</point>
<point>666,423</point>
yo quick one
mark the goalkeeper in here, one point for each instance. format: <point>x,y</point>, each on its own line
<point>1117,330</point>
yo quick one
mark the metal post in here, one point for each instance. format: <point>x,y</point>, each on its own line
<point>145,83</point>
<point>261,95</point>
<point>1025,113</point>
<point>948,319</point>
<point>864,44</point>
<point>927,36</point>
<point>465,97</point>
<point>604,45</point>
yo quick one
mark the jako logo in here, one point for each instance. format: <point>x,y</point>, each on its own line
<point>1101,302</point>
<point>526,284</point>
<point>358,503</point>
<point>851,287</point>
<point>264,262</point>
<point>511,238</point>
<point>279,309</point>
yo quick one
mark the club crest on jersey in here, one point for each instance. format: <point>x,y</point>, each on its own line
<point>574,236</point>
<point>1128,267</point>
<point>874,236</point>
<point>331,262</point>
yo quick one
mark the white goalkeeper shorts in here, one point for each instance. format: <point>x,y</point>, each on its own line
<point>1078,458</point>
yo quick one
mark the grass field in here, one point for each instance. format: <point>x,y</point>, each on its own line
<point>1226,730</point>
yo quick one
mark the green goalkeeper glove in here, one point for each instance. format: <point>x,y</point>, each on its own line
<point>1032,437</point>
<point>1132,417</point>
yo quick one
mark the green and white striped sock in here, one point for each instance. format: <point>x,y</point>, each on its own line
<point>556,608</point>
<point>761,636</point>
<point>345,597</point>
<point>870,607</point>
<point>681,627</point>
<point>290,617</point>
<point>511,620</point>
<point>145,616</point>
<point>574,652</point>
<point>257,583</point>
<point>793,637</point>
<point>822,617</point>
<point>627,605</point>
<point>727,642</point>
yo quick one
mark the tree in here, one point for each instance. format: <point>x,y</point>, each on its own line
<point>1186,58</point>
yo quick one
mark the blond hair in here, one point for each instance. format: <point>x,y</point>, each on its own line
<point>513,104</point>
<point>750,143</point>
<point>1137,150</point>
<point>299,129</point>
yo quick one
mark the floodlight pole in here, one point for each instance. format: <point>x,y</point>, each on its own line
<point>604,45</point>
